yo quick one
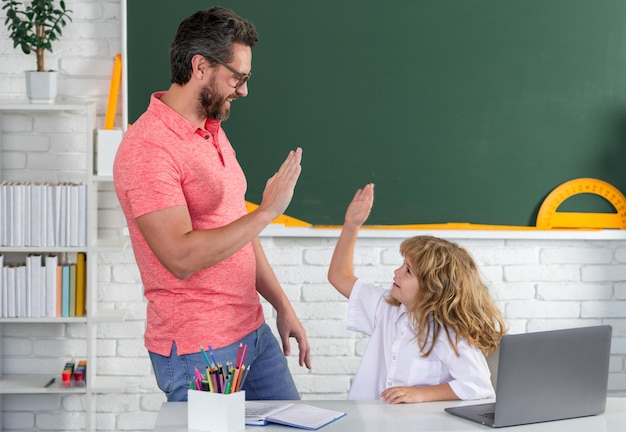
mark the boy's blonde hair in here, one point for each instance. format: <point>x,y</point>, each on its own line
<point>451,296</point>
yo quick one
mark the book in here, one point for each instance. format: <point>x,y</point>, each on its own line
<point>3,214</point>
<point>63,212</point>
<point>82,215</point>
<point>18,214</point>
<point>301,416</point>
<point>37,212</point>
<point>3,288</point>
<point>33,289</point>
<point>7,214</point>
<point>72,215</point>
<point>52,205</point>
<point>21,299</point>
<point>26,215</point>
<point>81,283</point>
<point>72,305</point>
<point>59,292</point>
<point>50,290</point>
<point>11,291</point>
<point>65,295</point>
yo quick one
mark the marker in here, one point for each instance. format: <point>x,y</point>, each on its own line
<point>49,383</point>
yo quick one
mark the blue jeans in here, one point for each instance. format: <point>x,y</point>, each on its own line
<point>269,377</point>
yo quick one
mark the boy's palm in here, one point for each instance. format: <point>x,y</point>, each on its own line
<point>361,205</point>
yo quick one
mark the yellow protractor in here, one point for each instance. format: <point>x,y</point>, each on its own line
<point>549,218</point>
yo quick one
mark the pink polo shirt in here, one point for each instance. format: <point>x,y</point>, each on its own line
<point>163,162</point>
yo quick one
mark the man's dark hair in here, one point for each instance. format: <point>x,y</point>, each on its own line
<point>210,33</point>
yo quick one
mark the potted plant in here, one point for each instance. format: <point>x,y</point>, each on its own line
<point>33,26</point>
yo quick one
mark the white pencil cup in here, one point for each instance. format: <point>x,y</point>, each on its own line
<point>107,142</point>
<point>216,412</point>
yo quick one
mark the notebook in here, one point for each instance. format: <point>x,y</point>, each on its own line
<point>295,415</point>
<point>545,376</point>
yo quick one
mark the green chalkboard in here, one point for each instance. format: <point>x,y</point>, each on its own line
<point>458,110</point>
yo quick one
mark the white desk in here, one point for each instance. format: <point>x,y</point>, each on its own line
<point>376,416</point>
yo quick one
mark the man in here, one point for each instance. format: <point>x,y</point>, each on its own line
<point>182,192</point>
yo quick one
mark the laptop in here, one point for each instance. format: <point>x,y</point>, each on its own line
<point>545,376</point>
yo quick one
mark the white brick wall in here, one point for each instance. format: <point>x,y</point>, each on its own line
<point>539,283</point>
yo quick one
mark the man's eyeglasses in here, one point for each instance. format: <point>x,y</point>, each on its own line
<point>241,78</point>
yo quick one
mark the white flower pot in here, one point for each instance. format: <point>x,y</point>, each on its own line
<point>41,87</point>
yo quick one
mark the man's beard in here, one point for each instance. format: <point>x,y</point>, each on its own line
<point>212,104</point>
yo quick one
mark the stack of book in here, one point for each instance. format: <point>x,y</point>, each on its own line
<point>43,215</point>
<point>45,286</point>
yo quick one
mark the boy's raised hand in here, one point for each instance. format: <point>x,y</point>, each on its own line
<point>361,205</point>
<point>341,269</point>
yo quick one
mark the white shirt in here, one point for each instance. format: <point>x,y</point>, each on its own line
<point>392,357</point>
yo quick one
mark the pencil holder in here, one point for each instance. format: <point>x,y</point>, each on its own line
<point>107,142</point>
<point>216,412</point>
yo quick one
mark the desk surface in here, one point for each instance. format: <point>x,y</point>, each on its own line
<point>376,416</point>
